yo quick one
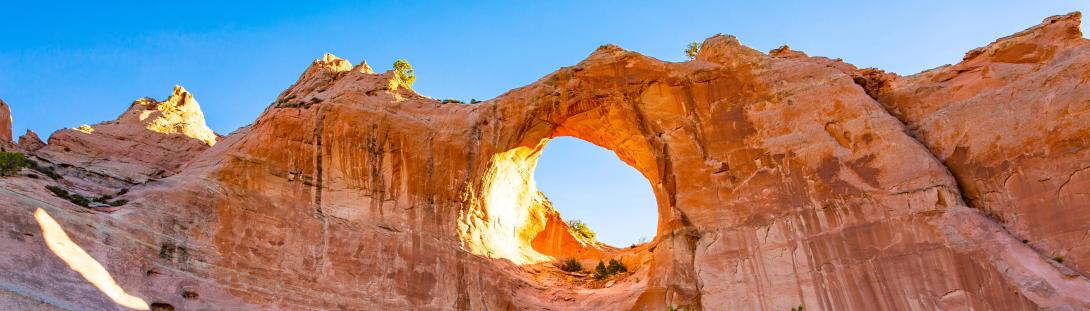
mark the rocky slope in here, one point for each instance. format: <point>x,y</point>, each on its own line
<point>781,179</point>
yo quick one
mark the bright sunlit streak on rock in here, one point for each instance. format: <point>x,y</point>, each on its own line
<point>78,260</point>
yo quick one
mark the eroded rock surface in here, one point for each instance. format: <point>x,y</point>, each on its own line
<point>5,122</point>
<point>1012,123</point>
<point>30,141</point>
<point>781,180</point>
<point>151,139</point>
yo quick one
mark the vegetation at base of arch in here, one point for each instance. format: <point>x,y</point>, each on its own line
<point>472,101</point>
<point>604,271</point>
<point>571,265</point>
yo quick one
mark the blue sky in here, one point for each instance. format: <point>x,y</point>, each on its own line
<point>66,64</point>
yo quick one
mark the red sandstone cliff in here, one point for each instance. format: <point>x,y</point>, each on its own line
<point>5,125</point>
<point>782,180</point>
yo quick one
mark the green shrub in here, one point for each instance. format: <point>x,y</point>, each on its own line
<point>47,170</point>
<point>11,162</point>
<point>80,200</point>
<point>581,230</point>
<point>1059,259</point>
<point>797,309</point>
<point>75,198</point>
<point>692,49</point>
<point>474,101</point>
<point>603,271</point>
<point>571,265</point>
<point>600,271</point>
<point>58,191</point>
<point>615,267</point>
<point>452,101</point>
<point>404,71</point>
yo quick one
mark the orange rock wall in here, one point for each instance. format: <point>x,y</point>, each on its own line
<point>781,181</point>
<point>1011,122</point>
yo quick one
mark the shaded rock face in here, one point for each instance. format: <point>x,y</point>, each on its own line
<point>781,180</point>
<point>30,141</point>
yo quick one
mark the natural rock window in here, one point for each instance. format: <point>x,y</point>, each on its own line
<point>514,220</point>
<point>589,184</point>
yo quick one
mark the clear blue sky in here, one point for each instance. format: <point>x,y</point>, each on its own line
<point>62,65</point>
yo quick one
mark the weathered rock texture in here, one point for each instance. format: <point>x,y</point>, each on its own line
<point>151,139</point>
<point>782,180</point>
<point>1012,123</point>
<point>30,141</point>
<point>5,122</point>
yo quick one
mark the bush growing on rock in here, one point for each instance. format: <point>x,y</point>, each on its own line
<point>692,49</point>
<point>11,162</point>
<point>81,200</point>
<point>604,271</point>
<point>75,198</point>
<point>600,271</point>
<point>581,230</point>
<point>47,170</point>
<point>404,71</point>
<point>615,267</point>
<point>571,265</point>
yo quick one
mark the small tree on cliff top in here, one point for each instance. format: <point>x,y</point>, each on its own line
<point>404,71</point>
<point>692,49</point>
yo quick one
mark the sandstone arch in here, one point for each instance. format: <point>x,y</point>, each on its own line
<point>781,181</point>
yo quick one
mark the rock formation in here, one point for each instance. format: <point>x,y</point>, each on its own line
<point>151,139</point>
<point>1012,123</point>
<point>5,122</point>
<point>6,143</point>
<point>30,141</point>
<point>781,179</point>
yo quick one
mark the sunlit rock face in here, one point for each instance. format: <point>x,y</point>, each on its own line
<point>1012,123</point>
<point>151,139</point>
<point>780,179</point>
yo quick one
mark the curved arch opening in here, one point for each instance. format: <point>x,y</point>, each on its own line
<point>510,218</point>
<point>590,185</point>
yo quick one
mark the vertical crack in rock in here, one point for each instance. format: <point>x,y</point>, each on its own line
<point>319,180</point>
